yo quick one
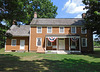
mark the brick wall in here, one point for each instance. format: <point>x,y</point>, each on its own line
<point>17,47</point>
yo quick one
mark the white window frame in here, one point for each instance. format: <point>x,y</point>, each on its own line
<point>48,29</point>
<point>11,42</point>
<point>63,29</point>
<point>84,30</point>
<point>37,40</point>
<point>72,32</point>
<point>37,29</point>
<point>85,42</point>
<point>47,43</point>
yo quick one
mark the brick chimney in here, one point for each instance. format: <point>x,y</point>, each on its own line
<point>35,14</point>
<point>83,15</point>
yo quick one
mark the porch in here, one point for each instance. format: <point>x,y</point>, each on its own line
<point>62,44</point>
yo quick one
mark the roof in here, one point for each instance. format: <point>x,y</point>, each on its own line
<point>57,21</point>
<point>22,30</point>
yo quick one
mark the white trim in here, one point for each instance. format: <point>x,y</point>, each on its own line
<point>63,29</point>
<point>85,42</point>
<point>37,29</point>
<point>71,30</point>
<point>84,30</point>
<point>30,39</point>
<point>41,41</point>
<point>45,43</point>
<point>11,42</point>
<point>69,44</point>
<point>5,45</point>
<point>47,29</point>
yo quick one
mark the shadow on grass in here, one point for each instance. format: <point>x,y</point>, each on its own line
<point>95,54</point>
<point>9,62</point>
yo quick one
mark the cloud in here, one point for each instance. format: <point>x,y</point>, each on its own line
<point>79,16</point>
<point>74,7</point>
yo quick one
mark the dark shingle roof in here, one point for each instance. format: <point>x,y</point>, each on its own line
<point>22,30</point>
<point>57,21</point>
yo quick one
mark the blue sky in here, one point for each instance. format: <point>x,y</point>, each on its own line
<point>69,8</point>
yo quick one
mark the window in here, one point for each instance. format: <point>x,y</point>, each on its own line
<point>49,29</point>
<point>39,29</point>
<point>73,29</point>
<point>13,42</point>
<point>83,31</point>
<point>61,29</point>
<point>38,41</point>
<point>49,43</point>
<point>84,42</point>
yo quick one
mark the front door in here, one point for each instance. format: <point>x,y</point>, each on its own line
<point>61,44</point>
<point>22,44</point>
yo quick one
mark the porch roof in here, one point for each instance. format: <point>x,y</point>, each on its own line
<point>63,35</point>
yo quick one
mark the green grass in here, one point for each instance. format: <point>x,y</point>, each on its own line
<point>30,62</point>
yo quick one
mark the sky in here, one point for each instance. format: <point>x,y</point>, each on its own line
<point>69,8</point>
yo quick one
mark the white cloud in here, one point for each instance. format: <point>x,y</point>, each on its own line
<point>79,16</point>
<point>74,7</point>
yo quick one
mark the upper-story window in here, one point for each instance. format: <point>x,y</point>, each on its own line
<point>49,29</point>
<point>73,29</point>
<point>83,31</point>
<point>39,29</point>
<point>61,29</point>
<point>13,42</point>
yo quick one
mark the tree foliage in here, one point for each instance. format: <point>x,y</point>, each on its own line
<point>92,15</point>
<point>23,11</point>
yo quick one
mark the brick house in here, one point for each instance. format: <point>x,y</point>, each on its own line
<point>51,34</point>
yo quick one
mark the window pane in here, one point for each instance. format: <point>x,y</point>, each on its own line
<point>73,43</point>
<point>39,29</point>
<point>84,42</point>
<point>61,29</point>
<point>13,42</point>
<point>49,29</point>
<point>73,29</point>
<point>83,31</point>
<point>39,41</point>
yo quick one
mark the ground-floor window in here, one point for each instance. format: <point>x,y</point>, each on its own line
<point>84,42</point>
<point>38,41</point>
<point>13,42</point>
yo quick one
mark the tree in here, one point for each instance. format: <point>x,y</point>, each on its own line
<point>23,11</point>
<point>92,17</point>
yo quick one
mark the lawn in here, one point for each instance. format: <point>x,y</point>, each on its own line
<point>34,62</point>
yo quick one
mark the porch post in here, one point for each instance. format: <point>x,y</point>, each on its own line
<point>45,43</point>
<point>69,44</point>
<point>57,43</point>
<point>79,44</point>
